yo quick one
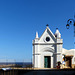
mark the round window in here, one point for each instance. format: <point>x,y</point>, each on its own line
<point>47,39</point>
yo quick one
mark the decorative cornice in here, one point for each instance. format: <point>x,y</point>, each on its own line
<point>57,53</point>
<point>40,54</point>
<point>36,54</point>
<point>45,43</point>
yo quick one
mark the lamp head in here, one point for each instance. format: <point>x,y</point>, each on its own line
<point>67,26</point>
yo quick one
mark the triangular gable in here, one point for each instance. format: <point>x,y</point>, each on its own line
<point>47,33</point>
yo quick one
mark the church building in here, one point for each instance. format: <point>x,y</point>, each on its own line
<point>48,50</point>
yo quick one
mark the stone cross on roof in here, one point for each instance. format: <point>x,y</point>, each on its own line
<point>47,25</point>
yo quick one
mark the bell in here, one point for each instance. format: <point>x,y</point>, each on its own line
<point>67,26</point>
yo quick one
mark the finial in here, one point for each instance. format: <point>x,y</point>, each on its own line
<point>56,28</point>
<point>47,25</point>
<point>57,34</point>
<point>36,34</point>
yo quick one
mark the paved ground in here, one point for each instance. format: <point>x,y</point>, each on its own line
<point>24,71</point>
<point>49,72</point>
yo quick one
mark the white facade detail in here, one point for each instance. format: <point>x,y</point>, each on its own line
<point>37,35</point>
<point>57,34</point>
<point>48,50</point>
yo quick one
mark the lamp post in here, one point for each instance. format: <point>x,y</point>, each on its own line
<point>69,23</point>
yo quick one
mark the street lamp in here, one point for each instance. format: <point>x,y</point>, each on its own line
<point>71,22</point>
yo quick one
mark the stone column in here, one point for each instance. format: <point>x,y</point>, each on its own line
<point>51,62</point>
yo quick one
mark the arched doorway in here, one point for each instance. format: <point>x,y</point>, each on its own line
<point>47,58</point>
<point>47,61</point>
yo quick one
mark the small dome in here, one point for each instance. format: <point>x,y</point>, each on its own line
<point>57,34</point>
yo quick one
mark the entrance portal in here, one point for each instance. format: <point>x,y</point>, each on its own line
<point>47,61</point>
<point>68,61</point>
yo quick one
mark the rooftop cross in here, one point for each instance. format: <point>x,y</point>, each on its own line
<point>47,25</point>
<point>56,28</point>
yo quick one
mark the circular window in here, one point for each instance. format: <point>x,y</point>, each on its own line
<point>47,39</point>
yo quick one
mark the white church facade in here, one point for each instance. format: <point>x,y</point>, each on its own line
<point>48,50</point>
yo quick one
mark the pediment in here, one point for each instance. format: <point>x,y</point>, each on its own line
<point>47,36</point>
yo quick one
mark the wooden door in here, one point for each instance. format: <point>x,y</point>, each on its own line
<point>47,61</point>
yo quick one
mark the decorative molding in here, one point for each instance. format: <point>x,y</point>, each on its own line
<point>57,53</point>
<point>47,49</point>
<point>45,43</point>
<point>36,54</point>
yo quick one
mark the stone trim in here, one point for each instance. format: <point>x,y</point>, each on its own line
<point>45,43</point>
<point>37,54</point>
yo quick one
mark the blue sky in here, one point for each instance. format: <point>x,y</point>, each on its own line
<point>20,19</point>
